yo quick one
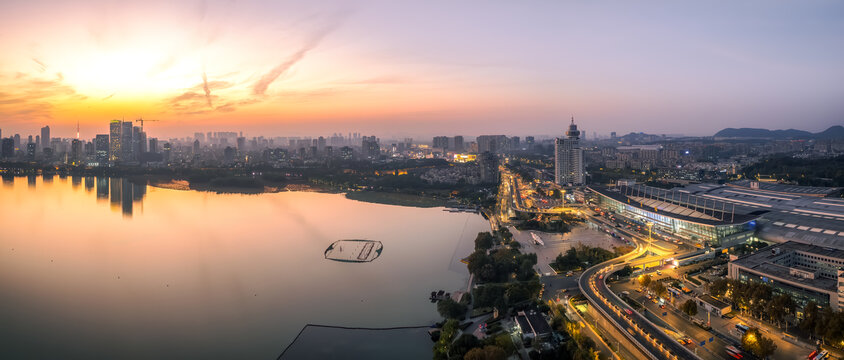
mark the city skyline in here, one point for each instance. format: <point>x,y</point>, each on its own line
<point>379,68</point>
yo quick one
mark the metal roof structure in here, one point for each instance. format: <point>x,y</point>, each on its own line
<point>785,217</point>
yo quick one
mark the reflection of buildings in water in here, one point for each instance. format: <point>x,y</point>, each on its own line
<point>126,197</point>
<point>121,194</point>
<point>124,194</point>
<point>89,183</point>
<point>102,188</point>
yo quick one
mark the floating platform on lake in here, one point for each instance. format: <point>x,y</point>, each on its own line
<point>354,250</point>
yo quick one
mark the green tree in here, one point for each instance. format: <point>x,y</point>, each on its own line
<point>719,287</point>
<point>658,288</point>
<point>484,241</point>
<point>757,344</point>
<point>505,342</point>
<point>450,309</point>
<point>644,280</point>
<point>626,271</point>
<point>689,307</point>
<point>443,345</point>
<point>489,352</point>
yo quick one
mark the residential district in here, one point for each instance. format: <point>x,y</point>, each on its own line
<point>637,246</point>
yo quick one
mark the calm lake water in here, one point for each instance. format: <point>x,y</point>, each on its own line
<point>101,268</point>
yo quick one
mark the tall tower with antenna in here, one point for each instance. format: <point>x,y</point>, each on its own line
<point>568,158</point>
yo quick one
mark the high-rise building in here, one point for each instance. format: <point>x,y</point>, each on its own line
<point>126,145</point>
<point>458,143</point>
<point>568,158</point>
<point>7,148</point>
<point>153,145</point>
<point>241,144</point>
<point>115,147</point>
<point>75,150</point>
<point>30,150</point>
<point>493,143</point>
<point>370,147</point>
<point>166,152</point>
<point>488,163</point>
<point>17,141</point>
<point>101,148</point>
<point>45,137</point>
<point>515,143</point>
<point>440,142</point>
<point>138,143</point>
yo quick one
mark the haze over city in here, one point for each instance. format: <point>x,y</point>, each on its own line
<point>412,69</point>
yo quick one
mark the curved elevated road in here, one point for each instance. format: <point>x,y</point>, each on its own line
<point>654,343</point>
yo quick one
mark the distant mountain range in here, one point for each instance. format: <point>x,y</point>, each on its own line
<point>834,132</point>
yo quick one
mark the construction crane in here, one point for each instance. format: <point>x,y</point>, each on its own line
<point>141,120</point>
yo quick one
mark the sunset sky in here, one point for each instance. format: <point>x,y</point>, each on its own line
<point>395,68</point>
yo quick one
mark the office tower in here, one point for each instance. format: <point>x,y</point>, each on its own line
<point>568,158</point>
<point>440,142</point>
<point>138,143</point>
<point>153,145</point>
<point>321,144</point>
<point>101,148</point>
<point>166,151</point>
<point>143,142</point>
<point>17,141</point>
<point>75,150</point>
<point>612,135</point>
<point>126,148</point>
<point>196,147</point>
<point>458,143</point>
<point>30,150</point>
<point>529,140</point>
<point>7,148</point>
<point>241,144</point>
<point>115,149</point>
<point>488,163</point>
<point>515,143</point>
<point>45,137</point>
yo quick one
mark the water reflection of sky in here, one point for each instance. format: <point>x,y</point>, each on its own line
<point>206,275</point>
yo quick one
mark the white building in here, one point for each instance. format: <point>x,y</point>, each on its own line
<point>568,155</point>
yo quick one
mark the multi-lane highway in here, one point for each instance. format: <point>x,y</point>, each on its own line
<point>653,342</point>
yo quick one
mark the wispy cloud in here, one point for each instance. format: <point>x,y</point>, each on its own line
<point>199,99</point>
<point>332,23</point>
<point>34,97</point>
<point>206,89</point>
<point>41,65</point>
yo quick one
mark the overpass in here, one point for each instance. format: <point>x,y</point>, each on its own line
<point>650,340</point>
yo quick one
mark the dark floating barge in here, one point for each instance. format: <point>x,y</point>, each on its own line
<point>354,250</point>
